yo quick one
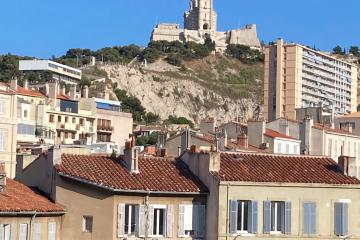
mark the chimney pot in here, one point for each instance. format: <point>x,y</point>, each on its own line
<point>14,84</point>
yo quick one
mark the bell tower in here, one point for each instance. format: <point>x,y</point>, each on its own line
<point>201,16</point>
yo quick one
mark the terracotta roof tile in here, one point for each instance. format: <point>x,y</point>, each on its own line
<point>275,134</point>
<point>29,92</point>
<point>156,174</point>
<point>331,130</point>
<point>247,167</point>
<point>17,197</point>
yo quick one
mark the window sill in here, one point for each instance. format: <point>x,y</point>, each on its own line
<point>276,233</point>
<point>245,234</point>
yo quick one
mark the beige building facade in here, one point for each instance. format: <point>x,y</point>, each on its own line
<point>299,77</point>
<point>279,203</point>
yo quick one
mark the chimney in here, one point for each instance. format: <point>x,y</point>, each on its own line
<point>208,125</point>
<point>72,92</point>
<point>284,127</point>
<point>14,84</point>
<point>185,140</point>
<point>131,156</point>
<point>343,165</point>
<point>307,134</point>
<point>26,84</point>
<point>54,155</point>
<point>85,92</point>
<point>2,176</point>
<point>243,140</point>
<point>163,152</point>
<point>256,130</point>
<point>46,89</point>
<point>214,161</point>
<point>53,89</point>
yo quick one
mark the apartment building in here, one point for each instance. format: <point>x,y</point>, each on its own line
<point>350,123</point>
<point>25,214</point>
<point>297,76</point>
<point>119,198</point>
<point>54,70</point>
<point>267,196</point>
<point>8,128</point>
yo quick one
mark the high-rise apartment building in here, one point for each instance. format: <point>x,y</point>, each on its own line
<point>297,76</point>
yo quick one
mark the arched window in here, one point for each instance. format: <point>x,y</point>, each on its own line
<point>206,26</point>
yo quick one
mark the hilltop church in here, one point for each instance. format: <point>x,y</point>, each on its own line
<point>201,20</point>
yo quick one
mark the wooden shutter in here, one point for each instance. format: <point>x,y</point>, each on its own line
<point>142,221</point>
<point>341,219</point>
<point>233,216</point>
<point>267,217</point>
<point>288,218</point>
<point>52,231</point>
<point>253,217</point>
<point>202,221</point>
<point>181,230</point>
<point>169,221</point>
<point>345,212</point>
<point>150,229</point>
<point>36,231</point>
<point>23,228</point>
<point>1,232</point>
<point>121,220</point>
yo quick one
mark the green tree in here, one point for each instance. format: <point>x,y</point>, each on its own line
<point>209,43</point>
<point>338,50</point>
<point>151,118</point>
<point>178,120</point>
<point>354,50</point>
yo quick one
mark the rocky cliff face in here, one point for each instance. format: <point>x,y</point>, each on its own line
<point>212,87</point>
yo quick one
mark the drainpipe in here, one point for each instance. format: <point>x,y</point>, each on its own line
<point>30,227</point>
<point>227,210</point>
<point>147,215</point>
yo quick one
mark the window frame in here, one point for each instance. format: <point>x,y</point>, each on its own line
<point>303,217</point>
<point>128,221</point>
<point>85,218</point>
<point>154,223</point>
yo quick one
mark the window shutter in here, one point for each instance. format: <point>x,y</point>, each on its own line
<point>150,221</point>
<point>36,233</point>
<point>253,215</point>
<point>313,218</point>
<point>233,216</point>
<point>169,221</point>
<point>202,220</point>
<point>345,210</point>
<point>142,221</point>
<point>52,231</point>
<point>309,218</point>
<point>12,232</point>
<point>181,230</point>
<point>288,218</point>
<point>267,217</point>
<point>1,232</point>
<point>338,219</point>
<point>23,228</point>
<point>121,220</point>
<point>137,220</point>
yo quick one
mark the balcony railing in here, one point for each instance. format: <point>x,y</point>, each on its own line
<point>105,128</point>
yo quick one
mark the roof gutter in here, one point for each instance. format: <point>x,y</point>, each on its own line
<point>128,191</point>
<point>32,213</point>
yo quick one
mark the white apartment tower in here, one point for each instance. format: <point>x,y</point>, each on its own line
<point>298,77</point>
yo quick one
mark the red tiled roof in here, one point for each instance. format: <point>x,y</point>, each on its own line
<point>155,174</point>
<point>29,92</point>
<point>331,130</point>
<point>275,134</point>
<point>63,97</point>
<point>247,167</point>
<point>17,197</point>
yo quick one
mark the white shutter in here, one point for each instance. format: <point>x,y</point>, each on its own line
<point>121,220</point>
<point>23,228</point>
<point>36,231</point>
<point>150,221</point>
<point>7,232</point>
<point>169,221</point>
<point>181,230</point>
<point>1,232</point>
<point>142,221</point>
<point>52,231</point>
<point>12,232</point>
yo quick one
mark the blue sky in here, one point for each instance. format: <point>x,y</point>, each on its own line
<point>43,28</point>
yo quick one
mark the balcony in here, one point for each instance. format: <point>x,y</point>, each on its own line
<point>101,128</point>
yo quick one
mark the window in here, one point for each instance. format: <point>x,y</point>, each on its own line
<point>130,220</point>
<point>277,217</point>
<point>3,139</point>
<point>51,118</point>
<point>52,231</point>
<point>59,134</point>
<point>87,224</point>
<point>23,231</point>
<point>36,231</point>
<point>278,148</point>
<point>6,231</point>
<point>66,119</point>
<point>159,222</point>
<point>59,118</point>
<point>287,149</point>
<point>25,113</point>
<point>309,218</point>
<point>73,135</point>
<point>341,219</point>
<point>81,122</point>
<point>66,135</point>
<point>73,120</point>
<point>296,149</point>
<point>243,216</point>
<point>192,220</point>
